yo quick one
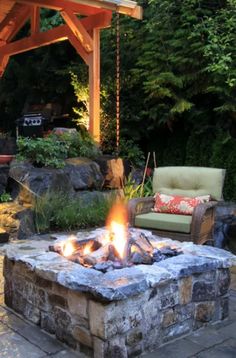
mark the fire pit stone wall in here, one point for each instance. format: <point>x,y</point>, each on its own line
<point>121,313</point>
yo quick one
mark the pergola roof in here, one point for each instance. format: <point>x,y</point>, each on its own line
<point>82,32</point>
<point>120,5</point>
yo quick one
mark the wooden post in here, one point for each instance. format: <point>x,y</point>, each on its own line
<point>35,20</point>
<point>94,87</point>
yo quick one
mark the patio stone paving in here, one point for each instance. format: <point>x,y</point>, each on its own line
<point>20,339</point>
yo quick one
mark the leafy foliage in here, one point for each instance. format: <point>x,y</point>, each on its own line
<point>5,197</point>
<point>79,144</point>
<point>54,149</point>
<point>131,151</point>
<point>81,92</point>
<point>133,190</point>
<point>42,151</point>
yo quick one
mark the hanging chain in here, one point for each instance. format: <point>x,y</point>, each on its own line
<point>117,82</point>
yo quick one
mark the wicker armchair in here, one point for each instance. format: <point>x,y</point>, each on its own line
<point>187,181</point>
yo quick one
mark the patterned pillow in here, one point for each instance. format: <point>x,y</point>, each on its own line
<point>176,204</point>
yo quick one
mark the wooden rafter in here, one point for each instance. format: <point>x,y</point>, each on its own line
<point>14,21</point>
<point>57,34</point>
<point>97,21</point>
<point>79,48</point>
<point>60,5</point>
<point>84,7</point>
<point>78,29</point>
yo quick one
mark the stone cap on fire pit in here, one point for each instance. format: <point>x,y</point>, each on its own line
<point>117,284</point>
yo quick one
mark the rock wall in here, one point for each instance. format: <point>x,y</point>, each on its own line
<point>81,177</point>
<point>126,328</point>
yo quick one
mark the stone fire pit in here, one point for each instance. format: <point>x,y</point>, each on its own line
<point>124,312</point>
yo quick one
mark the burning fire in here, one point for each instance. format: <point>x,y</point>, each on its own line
<point>68,247</point>
<point>87,249</point>
<point>119,247</point>
<point>117,227</point>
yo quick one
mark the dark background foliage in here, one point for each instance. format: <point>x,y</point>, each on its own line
<point>178,71</point>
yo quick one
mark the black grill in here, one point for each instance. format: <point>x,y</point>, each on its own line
<point>31,125</point>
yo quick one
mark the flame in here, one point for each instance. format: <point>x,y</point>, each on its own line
<point>87,249</point>
<point>117,227</point>
<point>68,246</point>
<point>133,249</point>
<point>158,245</point>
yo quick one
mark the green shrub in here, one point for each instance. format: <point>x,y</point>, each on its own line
<point>5,197</point>
<point>132,190</point>
<point>131,151</point>
<point>42,151</point>
<point>61,212</point>
<point>54,149</point>
<point>79,144</point>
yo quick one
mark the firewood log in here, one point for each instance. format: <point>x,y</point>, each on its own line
<point>97,256</point>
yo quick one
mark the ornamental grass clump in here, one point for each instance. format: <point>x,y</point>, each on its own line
<point>57,211</point>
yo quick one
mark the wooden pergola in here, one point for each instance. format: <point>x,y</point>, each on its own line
<point>83,33</point>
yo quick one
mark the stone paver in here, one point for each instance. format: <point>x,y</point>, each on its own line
<point>67,354</point>
<point>224,350</point>
<point>4,329</point>
<point>12,345</point>
<point>207,337</point>
<point>19,339</point>
<point>181,348</point>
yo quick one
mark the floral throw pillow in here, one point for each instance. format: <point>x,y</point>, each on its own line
<point>176,204</point>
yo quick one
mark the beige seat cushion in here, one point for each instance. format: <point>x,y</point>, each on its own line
<point>189,181</point>
<point>168,222</point>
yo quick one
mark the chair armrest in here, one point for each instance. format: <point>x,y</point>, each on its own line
<point>139,206</point>
<point>202,220</point>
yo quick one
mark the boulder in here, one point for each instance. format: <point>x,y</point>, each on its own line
<point>38,181</point>
<point>113,170</point>
<point>16,221</point>
<point>26,224</point>
<point>84,174</point>
<point>78,174</point>
<point>4,170</point>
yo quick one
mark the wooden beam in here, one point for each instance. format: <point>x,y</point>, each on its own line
<point>35,20</point>
<point>78,29</point>
<point>3,64</point>
<point>57,34</point>
<point>79,48</point>
<point>14,21</point>
<point>126,7</point>
<point>2,43</point>
<point>94,87</point>
<point>89,7</point>
<point>60,5</point>
<point>99,21</point>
